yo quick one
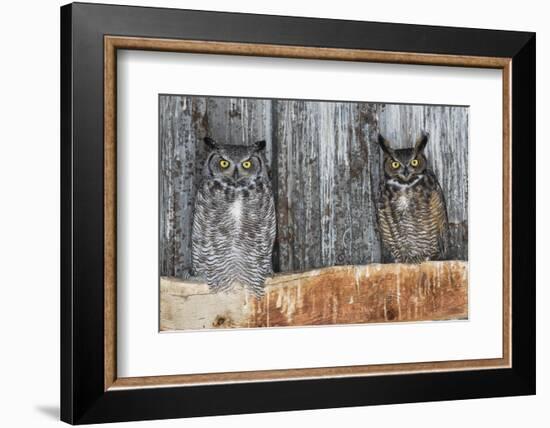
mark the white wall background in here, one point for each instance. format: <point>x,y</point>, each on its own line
<point>29,218</point>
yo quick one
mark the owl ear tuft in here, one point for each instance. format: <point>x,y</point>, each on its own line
<point>385,145</point>
<point>211,143</point>
<point>421,142</point>
<point>259,145</point>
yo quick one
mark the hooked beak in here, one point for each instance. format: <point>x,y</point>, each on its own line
<point>406,175</point>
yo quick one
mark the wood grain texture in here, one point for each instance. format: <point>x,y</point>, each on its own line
<point>447,153</point>
<point>307,373</point>
<point>302,52</point>
<point>326,171</point>
<point>109,210</point>
<point>335,295</point>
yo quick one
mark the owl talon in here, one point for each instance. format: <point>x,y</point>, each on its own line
<point>189,275</point>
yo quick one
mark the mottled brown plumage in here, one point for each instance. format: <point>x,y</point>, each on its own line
<point>412,214</point>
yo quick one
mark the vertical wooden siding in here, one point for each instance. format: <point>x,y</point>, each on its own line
<point>447,152</point>
<point>325,168</point>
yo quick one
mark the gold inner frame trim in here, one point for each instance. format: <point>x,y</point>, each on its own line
<point>113,43</point>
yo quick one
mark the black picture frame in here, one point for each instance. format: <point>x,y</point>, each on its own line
<point>83,398</point>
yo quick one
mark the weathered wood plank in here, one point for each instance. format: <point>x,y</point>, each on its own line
<point>239,121</point>
<point>335,295</point>
<point>365,174</point>
<point>298,209</point>
<point>182,125</point>
<point>184,122</point>
<point>447,153</point>
<point>326,171</point>
<point>328,179</point>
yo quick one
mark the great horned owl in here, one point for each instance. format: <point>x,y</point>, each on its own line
<point>234,219</point>
<point>412,215</point>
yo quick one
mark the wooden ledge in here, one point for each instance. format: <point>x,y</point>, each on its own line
<point>333,295</point>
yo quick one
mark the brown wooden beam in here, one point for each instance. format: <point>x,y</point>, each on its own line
<point>336,295</point>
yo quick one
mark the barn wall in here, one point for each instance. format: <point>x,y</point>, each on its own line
<point>447,152</point>
<point>326,171</point>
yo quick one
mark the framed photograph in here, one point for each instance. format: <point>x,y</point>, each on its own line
<point>265,213</point>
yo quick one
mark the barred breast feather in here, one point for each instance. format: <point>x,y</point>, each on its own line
<point>233,234</point>
<point>413,219</point>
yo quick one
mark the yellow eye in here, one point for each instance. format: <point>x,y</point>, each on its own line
<point>395,165</point>
<point>246,164</point>
<point>224,164</point>
<point>414,162</point>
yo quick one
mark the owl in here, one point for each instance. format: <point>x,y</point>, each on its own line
<point>412,214</point>
<point>234,221</point>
